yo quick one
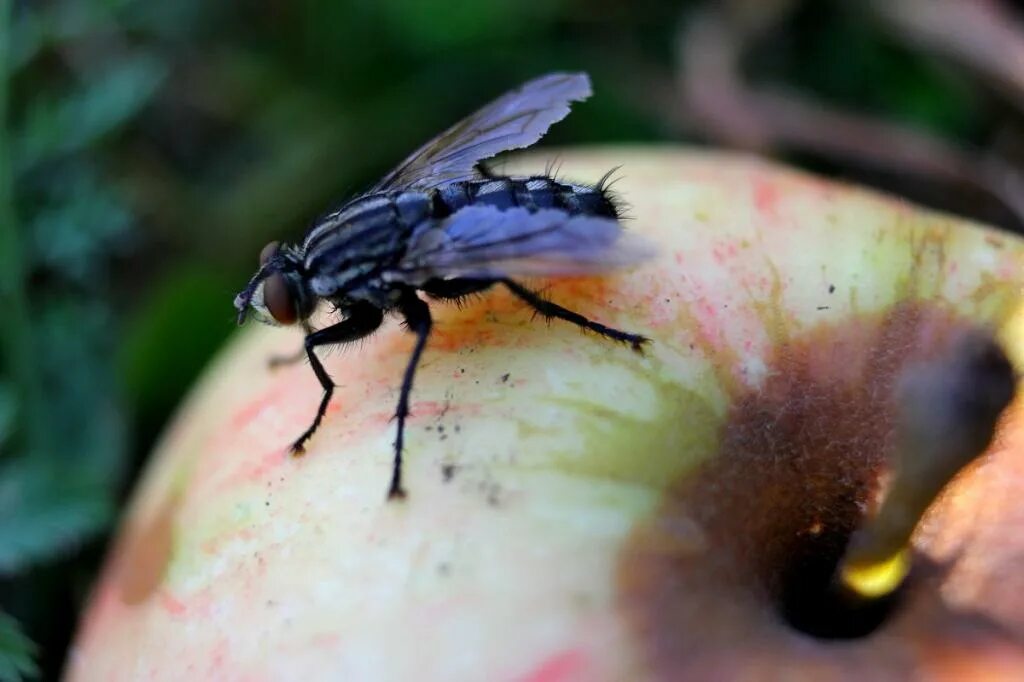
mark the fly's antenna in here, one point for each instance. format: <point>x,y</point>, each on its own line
<point>243,299</point>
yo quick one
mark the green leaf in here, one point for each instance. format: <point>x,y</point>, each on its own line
<point>8,411</point>
<point>45,513</point>
<point>27,40</point>
<point>38,27</point>
<point>57,125</point>
<point>83,222</point>
<point>17,652</point>
<point>81,390</point>
<point>181,21</point>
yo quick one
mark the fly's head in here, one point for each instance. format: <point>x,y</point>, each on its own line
<point>278,293</point>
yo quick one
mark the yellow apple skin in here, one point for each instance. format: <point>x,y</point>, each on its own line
<point>578,511</point>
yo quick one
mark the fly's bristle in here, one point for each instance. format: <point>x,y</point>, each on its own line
<point>623,209</point>
<point>614,199</point>
<point>553,168</point>
<point>607,180</point>
<point>465,300</point>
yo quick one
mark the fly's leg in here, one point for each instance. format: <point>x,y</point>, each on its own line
<point>454,290</point>
<point>363,319</point>
<point>549,310</point>
<point>276,361</point>
<point>417,319</point>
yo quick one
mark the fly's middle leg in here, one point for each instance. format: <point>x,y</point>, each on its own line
<point>550,310</point>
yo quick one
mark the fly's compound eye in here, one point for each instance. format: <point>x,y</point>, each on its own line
<point>277,298</point>
<point>268,252</point>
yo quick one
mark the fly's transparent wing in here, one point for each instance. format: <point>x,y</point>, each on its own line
<point>514,120</point>
<point>484,242</point>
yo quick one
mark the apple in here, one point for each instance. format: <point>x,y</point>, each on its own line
<point>578,511</point>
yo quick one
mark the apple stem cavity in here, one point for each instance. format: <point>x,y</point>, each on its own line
<point>946,414</point>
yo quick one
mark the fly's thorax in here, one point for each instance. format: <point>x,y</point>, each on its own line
<point>361,219</point>
<point>532,193</point>
<point>347,252</point>
<point>382,295</point>
<point>358,279</point>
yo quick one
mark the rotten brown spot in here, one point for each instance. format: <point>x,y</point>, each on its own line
<point>144,552</point>
<point>702,583</point>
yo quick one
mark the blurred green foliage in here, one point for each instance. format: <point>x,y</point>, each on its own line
<point>62,222</point>
<point>16,651</point>
<point>149,149</point>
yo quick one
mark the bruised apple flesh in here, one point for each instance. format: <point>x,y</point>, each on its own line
<point>578,511</point>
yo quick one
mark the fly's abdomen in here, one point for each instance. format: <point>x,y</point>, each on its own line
<point>532,193</point>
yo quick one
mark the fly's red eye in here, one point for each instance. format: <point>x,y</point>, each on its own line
<point>278,299</point>
<point>268,252</point>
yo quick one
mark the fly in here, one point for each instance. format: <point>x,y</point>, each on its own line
<point>442,224</point>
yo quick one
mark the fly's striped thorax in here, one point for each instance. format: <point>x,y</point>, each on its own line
<point>350,247</point>
<point>532,193</point>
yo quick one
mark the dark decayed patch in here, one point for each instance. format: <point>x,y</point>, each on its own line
<point>732,548</point>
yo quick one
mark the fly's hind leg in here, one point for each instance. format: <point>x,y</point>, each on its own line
<point>455,290</point>
<point>418,320</point>
<point>362,319</point>
<point>550,310</point>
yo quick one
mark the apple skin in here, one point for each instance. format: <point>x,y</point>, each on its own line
<point>577,511</point>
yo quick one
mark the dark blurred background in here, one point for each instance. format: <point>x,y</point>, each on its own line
<point>149,149</point>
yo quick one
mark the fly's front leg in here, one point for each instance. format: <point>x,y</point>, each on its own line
<point>362,319</point>
<point>276,361</point>
<point>417,318</point>
<point>548,310</point>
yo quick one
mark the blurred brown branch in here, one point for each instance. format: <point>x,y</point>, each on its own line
<point>984,36</point>
<point>716,100</point>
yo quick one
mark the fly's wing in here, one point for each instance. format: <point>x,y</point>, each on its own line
<point>515,120</point>
<point>484,242</point>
